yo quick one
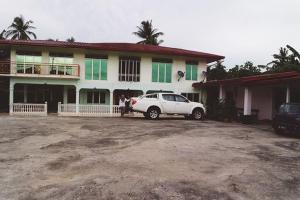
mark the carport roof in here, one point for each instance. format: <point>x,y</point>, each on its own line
<point>121,47</point>
<point>265,79</point>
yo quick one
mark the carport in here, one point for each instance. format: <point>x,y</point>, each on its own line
<point>262,94</point>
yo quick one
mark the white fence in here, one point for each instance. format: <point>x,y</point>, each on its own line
<point>88,110</point>
<point>28,109</point>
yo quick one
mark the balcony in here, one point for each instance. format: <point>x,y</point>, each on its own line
<point>46,70</point>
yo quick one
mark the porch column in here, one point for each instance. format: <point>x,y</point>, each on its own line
<point>77,100</point>
<point>25,93</point>
<point>111,101</point>
<point>65,94</point>
<point>11,97</point>
<point>247,101</point>
<point>288,95</point>
<point>221,92</point>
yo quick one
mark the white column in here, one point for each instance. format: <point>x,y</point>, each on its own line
<point>11,97</point>
<point>77,100</point>
<point>288,95</point>
<point>65,94</point>
<point>25,93</point>
<point>247,101</point>
<point>221,92</point>
<point>111,101</point>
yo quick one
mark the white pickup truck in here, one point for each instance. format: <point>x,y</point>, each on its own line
<point>152,105</point>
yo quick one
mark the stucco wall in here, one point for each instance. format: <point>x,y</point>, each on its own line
<point>262,99</point>
<point>112,82</point>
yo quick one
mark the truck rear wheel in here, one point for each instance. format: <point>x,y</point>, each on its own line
<point>198,114</point>
<point>153,113</point>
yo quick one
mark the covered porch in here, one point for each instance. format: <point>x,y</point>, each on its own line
<point>259,96</point>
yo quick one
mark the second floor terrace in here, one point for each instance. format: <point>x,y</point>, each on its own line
<point>37,69</point>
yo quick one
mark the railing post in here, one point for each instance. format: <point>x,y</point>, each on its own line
<point>77,101</point>
<point>59,108</point>
<point>46,108</point>
<point>111,97</point>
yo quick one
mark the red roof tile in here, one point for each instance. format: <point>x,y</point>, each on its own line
<point>121,47</point>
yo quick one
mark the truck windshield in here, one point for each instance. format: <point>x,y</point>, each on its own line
<point>293,109</point>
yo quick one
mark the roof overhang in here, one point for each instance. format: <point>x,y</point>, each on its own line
<point>265,79</point>
<point>121,47</point>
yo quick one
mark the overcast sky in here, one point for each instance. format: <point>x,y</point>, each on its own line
<point>241,30</point>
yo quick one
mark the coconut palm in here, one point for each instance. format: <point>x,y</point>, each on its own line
<point>20,29</point>
<point>148,33</point>
<point>2,35</point>
<point>71,39</point>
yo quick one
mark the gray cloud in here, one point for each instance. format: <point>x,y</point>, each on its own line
<point>238,29</point>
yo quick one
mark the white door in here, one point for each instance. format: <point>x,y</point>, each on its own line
<point>169,103</point>
<point>183,105</point>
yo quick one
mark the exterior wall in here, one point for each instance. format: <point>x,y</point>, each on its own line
<point>262,99</point>
<point>112,83</point>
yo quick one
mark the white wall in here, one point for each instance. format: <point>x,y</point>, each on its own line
<point>112,82</point>
<point>262,99</point>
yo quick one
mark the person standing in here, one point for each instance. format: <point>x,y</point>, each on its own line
<point>122,104</point>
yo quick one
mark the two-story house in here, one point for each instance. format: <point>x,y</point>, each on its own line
<point>76,77</point>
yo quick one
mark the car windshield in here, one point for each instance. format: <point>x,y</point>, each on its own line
<point>289,108</point>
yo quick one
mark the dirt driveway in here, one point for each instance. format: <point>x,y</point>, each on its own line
<point>132,158</point>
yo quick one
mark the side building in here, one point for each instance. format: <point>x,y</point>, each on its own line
<point>82,77</point>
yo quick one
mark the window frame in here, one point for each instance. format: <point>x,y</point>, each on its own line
<point>162,72</point>
<point>98,93</point>
<point>129,69</point>
<point>101,72</point>
<point>191,72</point>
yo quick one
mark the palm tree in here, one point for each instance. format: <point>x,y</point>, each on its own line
<point>20,29</point>
<point>280,59</point>
<point>148,33</point>
<point>2,35</point>
<point>284,61</point>
<point>295,57</point>
<point>71,39</point>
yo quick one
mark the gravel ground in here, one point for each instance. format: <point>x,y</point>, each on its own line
<point>68,158</point>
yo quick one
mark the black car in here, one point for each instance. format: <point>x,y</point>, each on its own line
<point>288,119</point>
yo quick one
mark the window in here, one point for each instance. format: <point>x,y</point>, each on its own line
<point>96,97</point>
<point>191,72</point>
<point>95,69</point>
<point>180,98</point>
<point>129,69</point>
<point>169,97</point>
<point>161,72</point>
<point>29,64</point>
<point>151,96</point>
<point>192,96</point>
<point>58,62</point>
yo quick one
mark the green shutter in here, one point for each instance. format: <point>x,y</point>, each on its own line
<point>154,72</point>
<point>88,69</point>
<point>103,69</point>
<point>188,72</point>
<point>168,73</point>
<point>96,68</point>
<point>162,74</point>
<point>194,72</point>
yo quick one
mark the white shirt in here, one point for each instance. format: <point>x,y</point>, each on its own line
<point>122,103</point>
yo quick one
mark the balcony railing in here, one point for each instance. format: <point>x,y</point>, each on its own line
<point>40,69</point>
